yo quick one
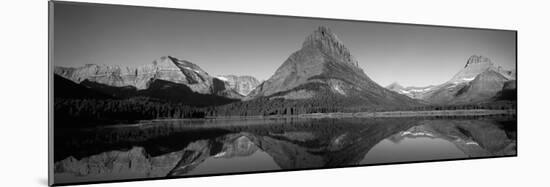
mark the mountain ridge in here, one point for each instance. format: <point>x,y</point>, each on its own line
<point>140,77</point>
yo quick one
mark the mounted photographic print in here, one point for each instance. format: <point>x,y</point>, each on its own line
<point>140,93</point>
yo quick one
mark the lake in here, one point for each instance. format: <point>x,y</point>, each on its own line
<point>174,148</point>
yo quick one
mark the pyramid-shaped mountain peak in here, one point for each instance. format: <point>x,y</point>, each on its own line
<point>478,59</point>
<point>321,34</point>
<point>326,41</point>
<point>324,68</point>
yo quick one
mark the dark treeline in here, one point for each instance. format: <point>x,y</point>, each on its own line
<point>91,112</point>
<point>266,107</point>
<point>77,113</point>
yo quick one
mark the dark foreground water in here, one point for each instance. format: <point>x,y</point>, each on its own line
<point>199,147</point>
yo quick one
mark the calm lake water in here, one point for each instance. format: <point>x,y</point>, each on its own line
<point>199,147</point>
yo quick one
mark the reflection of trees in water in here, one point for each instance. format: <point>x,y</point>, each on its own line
<point>292,143</point>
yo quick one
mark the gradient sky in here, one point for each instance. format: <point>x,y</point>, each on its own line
<point>224,43</point>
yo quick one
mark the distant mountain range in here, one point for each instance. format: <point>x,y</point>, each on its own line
<point>321,74</point>
<point>479,81</point>
<point>241,84</point>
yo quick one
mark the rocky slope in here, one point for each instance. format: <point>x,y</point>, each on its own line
<point>484,86</point>
<point>478,81</point>
<point>241,84</point>
<point>325,67</point>
<point>165,68</point>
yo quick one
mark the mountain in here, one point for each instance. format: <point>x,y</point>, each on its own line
<point>157,89</point>
<point>479,80</point>
<point>241,84</point>
<point>411,91</point>
<point>324,68</point>
<point>121,79</point>
<point>476,65</point>
<point>484,86</point>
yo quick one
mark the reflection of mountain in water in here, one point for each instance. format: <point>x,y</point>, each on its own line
<point>290,144</point>
<point>473,137</point>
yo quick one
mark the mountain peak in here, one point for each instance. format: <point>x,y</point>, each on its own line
<point>321,34</point>
<point>477,59</point>
<point>324,71</point>
<point>475,65</point>
<point>327,42</point>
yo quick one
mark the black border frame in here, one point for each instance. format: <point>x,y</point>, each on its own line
<point>50,93</point>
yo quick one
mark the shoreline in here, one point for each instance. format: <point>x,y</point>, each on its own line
<point>423,113</point>
<point>334,115</point>
<point>386,114</point>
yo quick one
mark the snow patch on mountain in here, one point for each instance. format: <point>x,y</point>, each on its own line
<point>222,78</point>
<point>338,89</point>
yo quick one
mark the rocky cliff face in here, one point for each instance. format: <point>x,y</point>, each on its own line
<point>322,67</point>
<point>328,43</point>
<point>241,84</point>
<point>165,68</point>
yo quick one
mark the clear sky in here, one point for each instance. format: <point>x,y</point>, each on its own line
<point>238,44</point>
